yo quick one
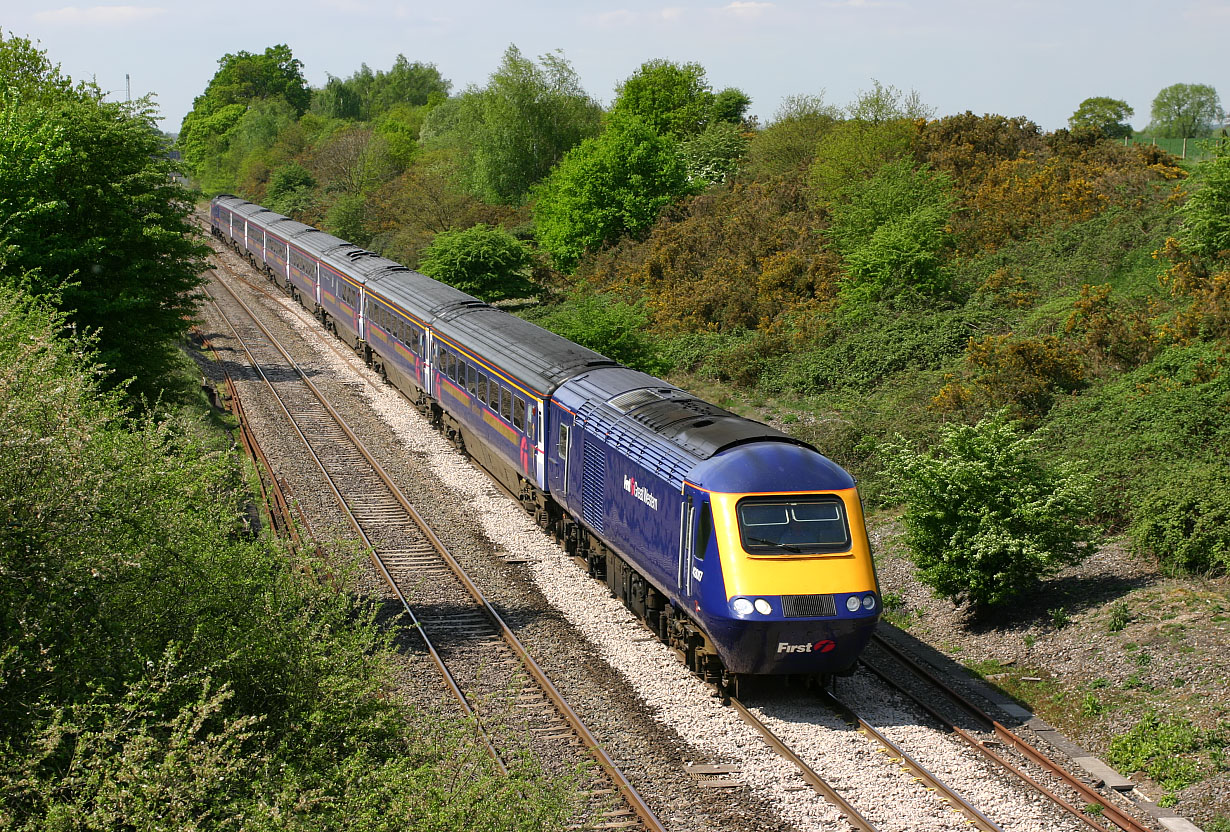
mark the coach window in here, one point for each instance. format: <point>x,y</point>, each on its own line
<point>506,404</point>
<point>482,388</point>
<point>518,418</point>
<point>472,371</point>
<point>530,420</point>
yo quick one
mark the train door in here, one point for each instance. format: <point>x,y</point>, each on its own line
<point>428,357</point>
<point>559,451</point>
<point>360,323</point>
<point>535,422</point>
<point>687,542</point>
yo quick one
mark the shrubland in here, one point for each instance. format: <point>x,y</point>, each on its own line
<point>880,273</point>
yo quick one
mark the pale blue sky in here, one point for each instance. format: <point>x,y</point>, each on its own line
<point>1037,58</point>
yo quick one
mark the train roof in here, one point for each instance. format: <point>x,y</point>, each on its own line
<point>423,297</point>
<point>666,428</point>
<point>288,228</point>
<point>540,359</point>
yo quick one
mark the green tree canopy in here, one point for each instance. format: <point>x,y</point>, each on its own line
<point>606,187</point>
<point>87,206</point>
<point>336,99</point>
<point>715,153</point>
<point>366,95</point>
<point>1206,214</point>
<point>789,142</point>
<point>487,262</point>
<point>671,99</point>
<point>729,105</point>
<point>241,79</point>
<point>1185,111</point>
<point>25,69</point>
<point>512,132</point>
<point>1109,115</point>
<point>881,125</point>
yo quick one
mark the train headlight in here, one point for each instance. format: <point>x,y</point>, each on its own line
<point>763,607</point>
<point>853,603</point>
<point>742,606</point>
<point>869,602</point>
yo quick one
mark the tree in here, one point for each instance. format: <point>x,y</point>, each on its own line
<point>366,95</point>
<point>414,83</point>
<point>513,131</point>
<point>671,99</point>
<point>789,142</point>
<point>984,519</point>
<point>606,187</point>
<point>729,105</point>
<point>486,262</point>
<point>882,125</point>
<point>1206,214</point>
<point>88,207</point>
<point>1185,111</point>
<point>336,99</point>
<point>715,154</point>
<point>1109,115</point>
<point>241,79</point>
<point>26,70</point>
<point>291,190</point>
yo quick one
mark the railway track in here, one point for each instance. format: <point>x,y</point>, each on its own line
<point>483,663</point>
<point>996,742</point>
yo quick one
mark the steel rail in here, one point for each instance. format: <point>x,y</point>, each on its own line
<point>947,793</point>
<point>978,745</point>
<point>635,801</point>
<point>1111,812</point>
<point>852,815</point>
<point>447,675</point>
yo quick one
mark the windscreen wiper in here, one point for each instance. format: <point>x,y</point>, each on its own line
<point>784,546</point>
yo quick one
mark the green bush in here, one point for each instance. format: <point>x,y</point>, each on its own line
<point>487,262</point>
<point>984,519</point>
<point>1185,523</point>
<point>612,327</point>
<point>893,235</point>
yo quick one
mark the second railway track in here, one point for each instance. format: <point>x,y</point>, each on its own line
<point>478,654</point>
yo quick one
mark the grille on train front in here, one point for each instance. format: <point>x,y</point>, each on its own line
<point>808,606</point>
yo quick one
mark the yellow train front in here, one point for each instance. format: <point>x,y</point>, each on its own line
<point>738,544</point>
<point>785,583</point>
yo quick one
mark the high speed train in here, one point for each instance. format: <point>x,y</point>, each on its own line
<point>739,545</point>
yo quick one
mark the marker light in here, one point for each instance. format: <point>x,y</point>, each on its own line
<point>853,603</point>
<point>763,607</point>
<point>869,602</point>
<point>742,606</point>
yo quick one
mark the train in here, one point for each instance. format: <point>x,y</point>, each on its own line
<point>737,544</point>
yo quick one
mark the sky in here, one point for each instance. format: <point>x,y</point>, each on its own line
<point>1033,58</point>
